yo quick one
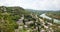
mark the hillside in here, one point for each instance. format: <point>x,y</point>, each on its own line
<point>9,16</point>
<point>55,14</point>
<point>18,19</point>
<point>39,12</point>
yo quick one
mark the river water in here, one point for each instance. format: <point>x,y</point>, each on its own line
<point>55,20</point>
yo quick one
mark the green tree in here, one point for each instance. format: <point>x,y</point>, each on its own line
<point>6,23</point>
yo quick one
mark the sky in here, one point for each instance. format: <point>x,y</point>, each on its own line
<point>33,4</point>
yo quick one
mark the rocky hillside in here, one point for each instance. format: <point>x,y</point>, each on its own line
<point>17,19</point>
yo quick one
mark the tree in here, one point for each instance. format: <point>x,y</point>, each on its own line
<point>6,23</point>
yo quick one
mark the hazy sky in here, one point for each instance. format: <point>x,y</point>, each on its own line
<point>33,4</point>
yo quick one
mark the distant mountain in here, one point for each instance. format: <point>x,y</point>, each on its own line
<point>42,10</point>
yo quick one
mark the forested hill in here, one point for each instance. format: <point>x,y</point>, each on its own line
<point>12,9</point>
<point>9,16</point>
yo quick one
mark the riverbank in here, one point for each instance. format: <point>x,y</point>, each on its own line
<point>52,15</point>
<point>47,17</point>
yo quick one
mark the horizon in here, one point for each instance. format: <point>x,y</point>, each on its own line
<point>33,4</point>
<point>31,9</point>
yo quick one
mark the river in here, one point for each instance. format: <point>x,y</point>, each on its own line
<point>55,20</point>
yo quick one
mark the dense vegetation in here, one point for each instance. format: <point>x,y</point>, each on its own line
<point>9,16</point>
<point>6,23</point>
